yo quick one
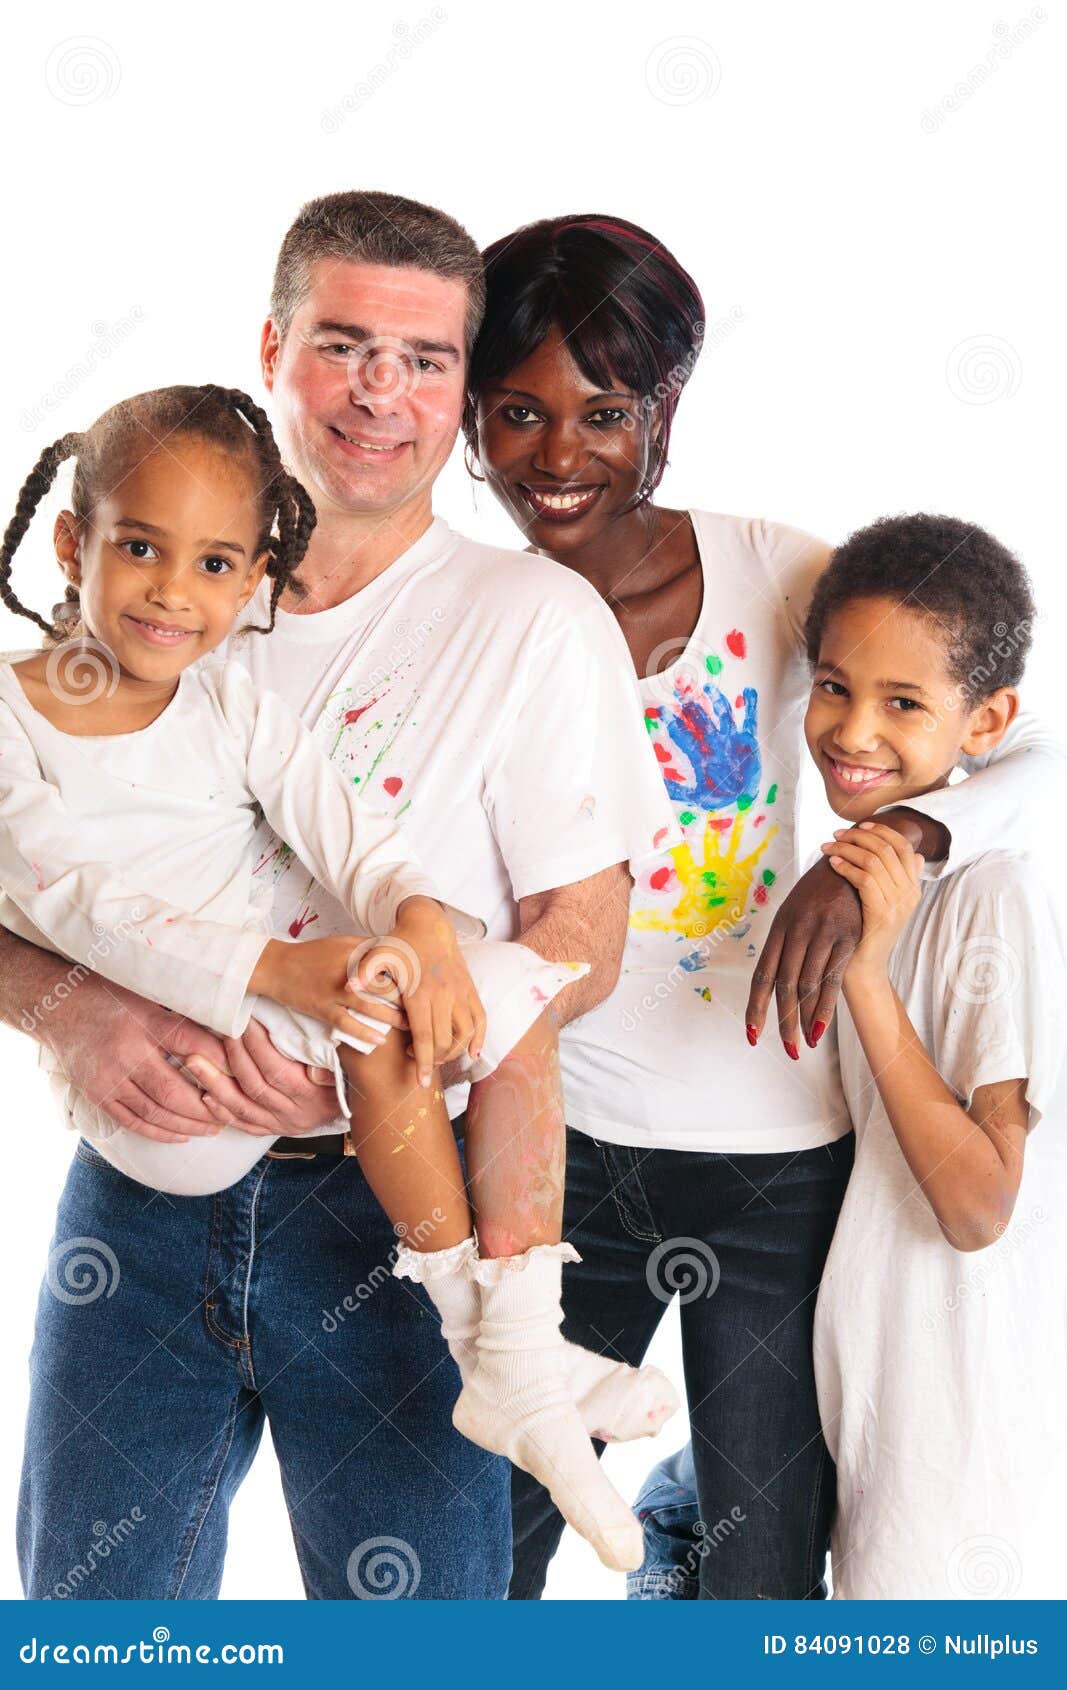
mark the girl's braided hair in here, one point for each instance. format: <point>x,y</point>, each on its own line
<point>130,432</point>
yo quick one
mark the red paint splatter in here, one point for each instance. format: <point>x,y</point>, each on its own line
<point>740,701</point>
<point>40,877</point>
<point>662,753</point>
<point>263,861</point>
<point>758,820</point>
<point>652,713</point>
<point>658,838</point>
<point>760,894</point>
<point>659,878</point>
<point>392,785</point>
<point>735,642</point>
<point>723,823</point>
<point>354,715</point>
<point>303,920</point>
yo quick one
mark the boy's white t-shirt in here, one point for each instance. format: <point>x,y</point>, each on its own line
<point>942,1375</point>
<point>664,1062</point>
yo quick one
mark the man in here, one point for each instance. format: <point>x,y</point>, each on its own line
<point>487,696</point>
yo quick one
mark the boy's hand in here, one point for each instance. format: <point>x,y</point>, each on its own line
<point>421,964</point>
<point>883,868</point>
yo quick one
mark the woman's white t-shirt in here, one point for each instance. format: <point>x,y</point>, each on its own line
<point>942,1376</point>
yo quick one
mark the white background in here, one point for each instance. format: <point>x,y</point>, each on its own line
<point>868,197</point>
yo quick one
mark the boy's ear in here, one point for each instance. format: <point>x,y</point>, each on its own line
<point>990,721</point>
<point>252,579</point>
<point>65,539</point>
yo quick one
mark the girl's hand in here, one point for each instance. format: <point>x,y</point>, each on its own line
<point>881,865</point>
<point>319,977</point>
<point>423,965</point>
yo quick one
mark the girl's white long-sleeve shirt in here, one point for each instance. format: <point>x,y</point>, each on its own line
<point>133,854</point>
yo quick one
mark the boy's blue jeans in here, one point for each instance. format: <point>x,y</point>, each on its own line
<point>669,1513</point>
<point>743,1240</point>
<point>171,1329</point>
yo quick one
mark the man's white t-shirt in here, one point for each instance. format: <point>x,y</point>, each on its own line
<point>487,699</point>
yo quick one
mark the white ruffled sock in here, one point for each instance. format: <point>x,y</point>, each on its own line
<point>518,1402</point>
<point>617,1403</point>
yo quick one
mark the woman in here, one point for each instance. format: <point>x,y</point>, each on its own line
<point>698,1161</point>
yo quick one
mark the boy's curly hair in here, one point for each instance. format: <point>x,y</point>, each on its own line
<point>954,573</point>
<point>135,428</point>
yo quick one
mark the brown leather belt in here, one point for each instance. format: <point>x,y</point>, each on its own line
<point>326,1144</point>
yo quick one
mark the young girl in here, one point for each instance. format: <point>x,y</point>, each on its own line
<point>940,1330</point>
<point>131,776</point>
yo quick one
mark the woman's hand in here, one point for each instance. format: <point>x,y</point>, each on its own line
<point>422,961</point>
<point>883,868</point>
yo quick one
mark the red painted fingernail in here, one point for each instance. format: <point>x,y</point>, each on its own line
<point>817,1031</point>
<point>751,1033</point>
<point>791,1050</point>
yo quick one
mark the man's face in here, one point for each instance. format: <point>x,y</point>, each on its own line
<point>368,383</point>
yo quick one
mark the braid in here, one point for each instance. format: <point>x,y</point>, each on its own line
<point>33,491</point>
<point>292,506</point>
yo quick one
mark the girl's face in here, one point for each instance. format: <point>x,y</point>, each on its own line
<point>564,457</point>
<point>167,559</point>
<point>885,720</point>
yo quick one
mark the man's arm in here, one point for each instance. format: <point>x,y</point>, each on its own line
<point>113,1047</point>
<point>583,922</point>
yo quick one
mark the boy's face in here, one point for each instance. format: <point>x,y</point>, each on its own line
<point>368,383</point>
<point>885,720</point>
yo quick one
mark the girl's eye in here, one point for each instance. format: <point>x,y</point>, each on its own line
<point>833,688</point>
<point>217,565</point>
<point>142,555</point>
<point>520,415</point>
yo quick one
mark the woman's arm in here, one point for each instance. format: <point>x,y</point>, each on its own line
<point>968,1161</point>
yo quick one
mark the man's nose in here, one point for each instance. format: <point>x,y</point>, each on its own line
<point>381,380</point>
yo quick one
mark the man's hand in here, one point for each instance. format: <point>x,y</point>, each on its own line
<point>263,1092</point>
<point>113,1047</point>
<point>803,962</point>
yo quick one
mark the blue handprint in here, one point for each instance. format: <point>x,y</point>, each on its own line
<point>724,758</point>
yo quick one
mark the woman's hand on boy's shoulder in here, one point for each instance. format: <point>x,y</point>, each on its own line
<point>802,964</point>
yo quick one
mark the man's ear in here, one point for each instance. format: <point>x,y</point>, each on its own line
<point>65,538</point>
<point>269,346</point>
<point>990,721</point>
<point>252,579</point>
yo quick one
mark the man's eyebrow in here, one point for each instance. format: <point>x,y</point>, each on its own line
<point>356,332</point>
<point>150,528</point>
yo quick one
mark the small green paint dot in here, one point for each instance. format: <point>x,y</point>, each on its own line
<point>356,779</point>
<point>713,664</point>
<point>713,903</point>
<point>651,724</point>
<point>744,802</point>
<point>686,817</point>
<point>772,793</point>
<point>769,877</point>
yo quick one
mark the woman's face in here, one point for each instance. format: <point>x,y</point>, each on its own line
<point>563,456</point>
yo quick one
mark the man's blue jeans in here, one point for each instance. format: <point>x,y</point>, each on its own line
<point>170,1329</point>
<point>742,1240</point>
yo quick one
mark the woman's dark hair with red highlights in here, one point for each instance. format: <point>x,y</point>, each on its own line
<point>628,311</point>
<point>135,428</point>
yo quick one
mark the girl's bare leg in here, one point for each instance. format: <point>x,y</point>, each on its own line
<point>517,1146</point>
<point>406,1148</point>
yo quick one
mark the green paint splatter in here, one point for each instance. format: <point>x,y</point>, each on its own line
<point>686,817</point>
<point>768,877</point>
<point>713,664</point>
<point>744,801</point>
<point>772,793</point>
